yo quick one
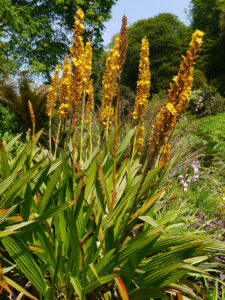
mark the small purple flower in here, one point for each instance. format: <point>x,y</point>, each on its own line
<point>222,204</point>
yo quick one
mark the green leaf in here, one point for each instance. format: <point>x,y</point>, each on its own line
<point>6,183</point>
<point>91,176</point>
<point>18,185</point>
<point>5,168</point>
<point>99,282</point>
<point>25,153</point>
<point>104,186</point>
<point>146,293</point>
<point>20,253</point>
<point>49,189</point>
<point>53,211</point>
<point>77,287</point>
<point>157,276</point>
<point>4,216</point>
<point>19,288</point>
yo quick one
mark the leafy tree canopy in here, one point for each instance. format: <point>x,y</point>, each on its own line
<point>168,38</point>
<point>37,33</point>
<point>209,16</point>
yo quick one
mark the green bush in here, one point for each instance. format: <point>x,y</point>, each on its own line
<point>8,123</point>
<point>206,102</point>
<point>199,80</point>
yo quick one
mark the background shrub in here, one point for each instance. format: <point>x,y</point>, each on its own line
<point>206,102</point>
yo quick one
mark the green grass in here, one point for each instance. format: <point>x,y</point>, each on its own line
<point>205,139</point>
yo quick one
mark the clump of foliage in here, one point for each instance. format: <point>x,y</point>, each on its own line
<point>200,139</point>
<point>83,222</point>
<point>37,33</point>
<point>209,16</point>
<point>8,124</point>
<point>206,101</point>
<point>15,99</point>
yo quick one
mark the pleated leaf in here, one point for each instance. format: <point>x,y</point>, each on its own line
<point>20,253</point>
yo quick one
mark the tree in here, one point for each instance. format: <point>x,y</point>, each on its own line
<point>37,33</point>
<point>16,101</point>
<point>168,39</point>
<point>209,16</point>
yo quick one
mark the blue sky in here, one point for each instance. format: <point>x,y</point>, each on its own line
<point>142,9</point>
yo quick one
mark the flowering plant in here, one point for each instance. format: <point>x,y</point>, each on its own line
<point>188,177</point>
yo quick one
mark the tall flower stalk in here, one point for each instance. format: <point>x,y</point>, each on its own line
<point>123,44</point>
<point>177,101</point>
<point>142,95</point>
<point>109,85</point>
<point>77,69</point>
<point>177,98</point>
<point>32,117</point>
<point>51,101</point>
<point>62,113</point>
<point>88,90</point>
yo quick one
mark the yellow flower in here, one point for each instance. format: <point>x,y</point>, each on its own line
<point>178,95</point>
<point>171,108</point>
<point>143,83</point>
<point>140,133</point>
<point>64,95</point>
<point>165,156</point>
<point>109,83</point>
<point>63,110</point>
<point>77,59</point>
<point>88,82</point>
<point>53,92</point>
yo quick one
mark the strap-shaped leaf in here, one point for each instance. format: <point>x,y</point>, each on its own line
<point>19,288</point>
<point>177,255</point>
<point>5,168</point>
<point>25,153</point>
<point>77,287</point>
<point>122,289</point>
<point>12,142</point>
<point>8,212</point>
<point>50,189</point>
<point>6,183</point>
<point>20,253</point>
<point>157,276</point>
<point>142,240</point>
<point>131,195</point>
<point>53,211</point>
<point>91,176</point>
<point>147,293</point>
<point>104,186</point>
<point>18,185</point>
<point>98,282</point>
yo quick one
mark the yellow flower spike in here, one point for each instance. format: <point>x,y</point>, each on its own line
<point>88,82</point>
<point>77,59</point>
<point>109,83</point>
<point>143,83</point>
<point>165,156</point>
<point>53,92</point>
<point>140,133</point>
<point>178,95</point>
<point>63,110</point>
<point>171,108</point>
<point>64,90</point>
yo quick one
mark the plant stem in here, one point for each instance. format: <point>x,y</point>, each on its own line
<point>82,129</point>
<point>90,133</point>
<point>74,149</point>
<point>50,135</point>
<point>57,137</point>
<point>115,147</point>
